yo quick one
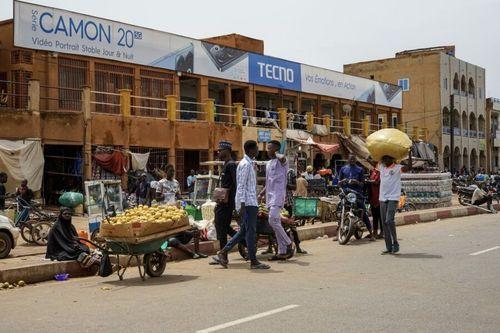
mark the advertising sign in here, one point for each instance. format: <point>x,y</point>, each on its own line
<point>274,72</point>
<point>56,30</point>
<point>263,135</point>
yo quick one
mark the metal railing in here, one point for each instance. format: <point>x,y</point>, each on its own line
<point>14,95</point>
<point>190,111</point>
<point>224,114</point>
<point>105,102</point>
<point>144,106</point>
<point>60,98</point>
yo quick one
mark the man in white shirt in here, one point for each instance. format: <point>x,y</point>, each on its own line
<point>168,188</point>
<point>390,191</point>
<point>248,207</point>
<point>480,197</point>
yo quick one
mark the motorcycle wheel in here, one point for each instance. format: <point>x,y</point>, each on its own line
<point>344,232</point>
<point>358,234</point>
<point>26,234</point>
<point>40,232</point>
<point>461,200</point>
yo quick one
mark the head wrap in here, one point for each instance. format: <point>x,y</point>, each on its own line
<point>225,145</point>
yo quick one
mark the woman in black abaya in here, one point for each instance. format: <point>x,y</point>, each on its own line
<point>62,243</point>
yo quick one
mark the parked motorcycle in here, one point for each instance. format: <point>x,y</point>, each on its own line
<point>465,194</point>
<point>351,223</point>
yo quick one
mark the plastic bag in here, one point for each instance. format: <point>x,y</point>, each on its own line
<point>71,199</point>
<point>388,141</point>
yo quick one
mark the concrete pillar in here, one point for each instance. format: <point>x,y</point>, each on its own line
<point>87,134</point>
<point>171,107</point>
<point>125,113</point>
<point>327,121</point>
<point>384,124</point>
<point>366,125</point>
<point>415,135</point>
<point>346,121</point>
<point>239,114</point>
<point>34,107</point>
<point>283,118</point>
<point>209,105</point>
<point>425,134</point>
<point>310,121</point>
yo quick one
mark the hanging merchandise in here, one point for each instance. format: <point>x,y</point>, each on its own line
<point>115,162</point>
<point>21,160</point>
<point>139,161</point>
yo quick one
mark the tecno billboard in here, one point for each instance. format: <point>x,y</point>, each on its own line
<point>56,30</point>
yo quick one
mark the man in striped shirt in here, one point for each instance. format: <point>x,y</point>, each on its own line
<point>246,203</point>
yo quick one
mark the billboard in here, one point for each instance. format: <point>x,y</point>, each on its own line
<point>56,30</point>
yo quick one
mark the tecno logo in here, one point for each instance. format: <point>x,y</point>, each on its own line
<point>274,72</point>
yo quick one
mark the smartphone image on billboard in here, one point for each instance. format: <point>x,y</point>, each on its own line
<point>223,57</point>
<point>181,60</point>
<point>367,96</point>
<point>390,91</point>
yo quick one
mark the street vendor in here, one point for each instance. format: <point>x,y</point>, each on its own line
<point>168,189</point>
<point>309,174</point>
<point>62,244</point>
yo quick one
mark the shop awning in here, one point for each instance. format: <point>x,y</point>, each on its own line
<point>326,148</point>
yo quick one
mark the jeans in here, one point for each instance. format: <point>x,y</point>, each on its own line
<point>247,231</point>
<point>275,223</point>
<point>223,217</point>
<point>366,219</point>
<point>387,213</point>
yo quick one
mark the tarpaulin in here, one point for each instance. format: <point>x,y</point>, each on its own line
<point>22,160</point>
<point>115,162</point>
<point>326,148</point>
<point>139,161</point>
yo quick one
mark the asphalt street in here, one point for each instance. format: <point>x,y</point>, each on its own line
<point>446,279</point>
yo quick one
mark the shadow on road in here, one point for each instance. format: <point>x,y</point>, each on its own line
<point>162,280</point>
<point>418,256</point>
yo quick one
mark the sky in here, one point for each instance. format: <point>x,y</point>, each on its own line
<point>324,33</point>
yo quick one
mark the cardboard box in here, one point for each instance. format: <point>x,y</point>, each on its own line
<point>139,229</point>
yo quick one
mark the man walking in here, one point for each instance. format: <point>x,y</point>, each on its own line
<point>168,188</point>
<point>275,191</point>
<point>390,191</point>
<point>224,210</point>
<point>246,203</point>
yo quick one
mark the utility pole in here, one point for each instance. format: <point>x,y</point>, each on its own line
<point>452,132</point>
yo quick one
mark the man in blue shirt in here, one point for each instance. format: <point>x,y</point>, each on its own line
<point>352,177</point>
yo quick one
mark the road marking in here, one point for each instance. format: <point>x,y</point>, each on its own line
<point>484,251</point>
<point>247,319</point>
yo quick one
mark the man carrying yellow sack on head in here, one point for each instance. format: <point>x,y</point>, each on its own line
<point>387,146</point>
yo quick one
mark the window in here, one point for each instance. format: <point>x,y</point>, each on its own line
<point>110,79</point>
<point>73,74</point>
<point>20,88</point>
<point>156,85</point>
<point>445,83</point>
<point>21,57</point>
<point>394,121</point>
<point>372,77</point>
<point>404,84</point>
<point>456,84</point>
<point>480,92</point>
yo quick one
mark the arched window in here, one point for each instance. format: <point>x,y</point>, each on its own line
<point>465,124</point>
<point>463,86</point>
<point>456,84</point>
<point>472,88</point>
<point>446,118</point>
<point>481,126</point>
<point>456,119</point>
<point>472,125</point>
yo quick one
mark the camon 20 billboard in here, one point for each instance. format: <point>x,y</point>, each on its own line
<point>56,30</point>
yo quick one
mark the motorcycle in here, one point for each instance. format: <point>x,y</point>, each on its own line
<point>465,194</point>
<point>351,223</point>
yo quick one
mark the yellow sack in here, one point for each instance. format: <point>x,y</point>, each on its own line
<point>388,141</point>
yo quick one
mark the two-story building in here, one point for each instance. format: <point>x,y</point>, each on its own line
<point>80,83</point>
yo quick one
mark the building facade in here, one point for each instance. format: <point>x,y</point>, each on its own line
<point>79,103</point>
<point>493,133</point>
<point>441,93</point>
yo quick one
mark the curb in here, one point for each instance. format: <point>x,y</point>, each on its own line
<point>45,271</point>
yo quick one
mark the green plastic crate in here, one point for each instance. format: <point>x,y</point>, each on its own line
<point>305,207</point>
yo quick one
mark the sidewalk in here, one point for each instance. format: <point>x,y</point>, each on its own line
<point>27,263</point>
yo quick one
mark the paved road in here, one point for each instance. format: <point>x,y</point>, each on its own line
<point>434,285</point>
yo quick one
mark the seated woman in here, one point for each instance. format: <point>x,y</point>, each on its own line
<point>180,241</point>
<point>62,244</point>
